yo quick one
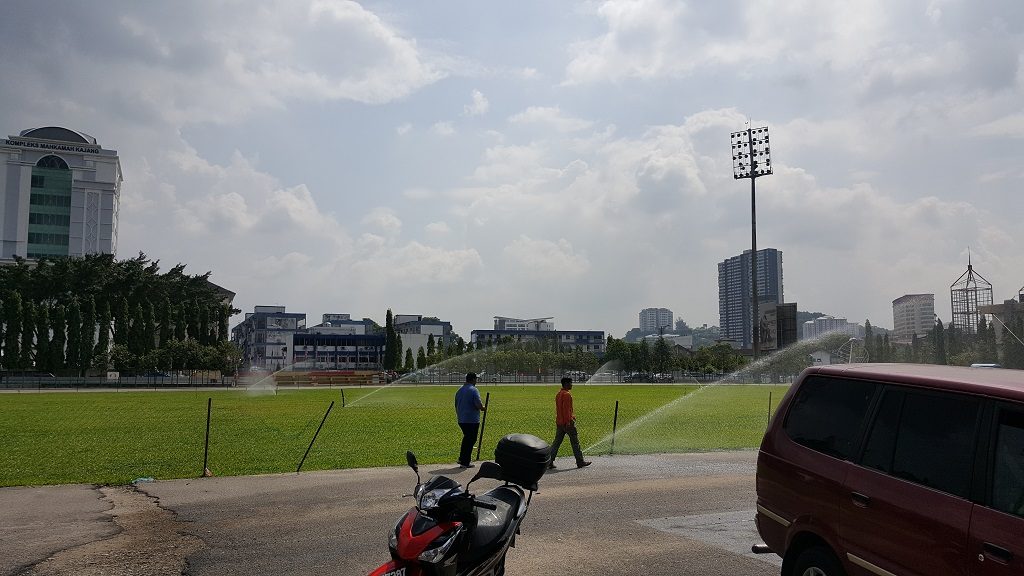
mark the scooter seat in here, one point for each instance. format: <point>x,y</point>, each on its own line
<point>491,525</point>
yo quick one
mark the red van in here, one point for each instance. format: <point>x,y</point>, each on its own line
<point>896,469</point>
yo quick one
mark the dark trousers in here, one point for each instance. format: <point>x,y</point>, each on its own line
<point>469,430</point>
<point>560,432</point>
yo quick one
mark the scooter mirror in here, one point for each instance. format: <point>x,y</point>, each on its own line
<point>487,470</point>
<point>411,459</point>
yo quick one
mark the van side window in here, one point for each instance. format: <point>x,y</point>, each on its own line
<point>827,414</point>
<point>925,438</point>
<point>1008,478</point>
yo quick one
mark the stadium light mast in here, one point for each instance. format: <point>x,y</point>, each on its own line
<point>751,158</point>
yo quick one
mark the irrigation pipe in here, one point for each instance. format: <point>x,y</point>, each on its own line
<point>314,437</point>
<point>615,423</point>
<point>206,445</point>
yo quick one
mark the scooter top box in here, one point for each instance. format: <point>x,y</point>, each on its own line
<point>523,459</point>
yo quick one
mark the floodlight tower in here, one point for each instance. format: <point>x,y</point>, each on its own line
<point>751,158</point>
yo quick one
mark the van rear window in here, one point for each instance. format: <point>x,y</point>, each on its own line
<point>827,414</point>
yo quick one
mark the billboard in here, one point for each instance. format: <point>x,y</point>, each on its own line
<point>768,326</point>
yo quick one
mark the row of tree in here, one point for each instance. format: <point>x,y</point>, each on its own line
<point>71,315</point>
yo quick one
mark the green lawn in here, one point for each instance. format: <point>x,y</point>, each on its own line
<point>113,438</point>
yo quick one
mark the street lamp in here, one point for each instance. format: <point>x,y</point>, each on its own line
<point>751,158</point>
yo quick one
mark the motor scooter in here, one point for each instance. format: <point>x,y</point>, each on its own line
<point>452,532</point>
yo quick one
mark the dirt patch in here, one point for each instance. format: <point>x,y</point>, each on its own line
<point>150,541</point>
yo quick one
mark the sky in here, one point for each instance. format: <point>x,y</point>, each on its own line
<point>468,159</point>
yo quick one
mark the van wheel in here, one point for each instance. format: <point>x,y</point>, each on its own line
<point>817,561</point>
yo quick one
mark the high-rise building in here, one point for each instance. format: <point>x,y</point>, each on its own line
<point>59,194</point>
<point>912,314</point>
<point>734,306</point>
<point>655,320</point>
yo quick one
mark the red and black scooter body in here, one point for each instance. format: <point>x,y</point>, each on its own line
<point>452,532</point>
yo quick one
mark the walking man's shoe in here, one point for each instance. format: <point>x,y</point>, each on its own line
<point>584,464</point>
<point>552,466</point>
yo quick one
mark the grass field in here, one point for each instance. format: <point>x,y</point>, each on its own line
<point>113,438</point>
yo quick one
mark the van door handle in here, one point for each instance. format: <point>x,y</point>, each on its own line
<point>860,499</point>
<point>998,552</point>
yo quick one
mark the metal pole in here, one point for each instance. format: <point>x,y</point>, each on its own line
<point>480,442</point>
<point>754,335</point>
<point>206,444</point>
<point>314,437</point>
<point>342,397</point>
<point>769,419</point>
<point>615,423</point>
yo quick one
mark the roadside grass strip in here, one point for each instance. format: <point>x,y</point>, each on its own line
<point>115,438</point>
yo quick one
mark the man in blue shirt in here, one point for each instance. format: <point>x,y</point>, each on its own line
<point>468,408</point>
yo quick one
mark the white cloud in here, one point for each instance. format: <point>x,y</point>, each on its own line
<point>383,219</point>
<point>545,259</point>
<point>403,129</point>
<point>550,116</point>
<point>443,128</point>
<point>478,106</point>
<point>437,228</point>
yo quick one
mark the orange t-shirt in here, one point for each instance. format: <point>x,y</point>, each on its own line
<point>563,408</point>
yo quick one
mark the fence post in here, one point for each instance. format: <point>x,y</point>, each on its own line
<point>768,420</point>
<point>480,442</point>
<point>206,445</point>
<point>615,423</point>
<point>314,437</point>
<point>342,397</point>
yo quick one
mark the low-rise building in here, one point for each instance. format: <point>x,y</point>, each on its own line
<point>265,337</point>
<point>544,331</point>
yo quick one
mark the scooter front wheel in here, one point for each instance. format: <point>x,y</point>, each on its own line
<point>397,568</point>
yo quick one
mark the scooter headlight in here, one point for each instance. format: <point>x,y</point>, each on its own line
<point>393,539</point>
<point>430,499</point>
<point>438,548</point>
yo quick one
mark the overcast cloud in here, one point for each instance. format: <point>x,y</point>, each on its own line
<point>543,158</point>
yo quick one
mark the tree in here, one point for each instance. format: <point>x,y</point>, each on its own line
<point>869,340</point>
<point>59,326</point>
<point>166,331</point>
<point>409,365</point>
<point>180,322</point>
<point>938,337</point>
<point>88,333</point>
<point>43,356</point>
<point>28,331</point>
<point>223,317</point>
<point>430,346</point>
<point>148,326</point>
<point>137,331</point>
<point>392,349</point>
<point>421,359</point>
<point>1013,349</point>
<point>661,356</point>
<point>103,338</point>
<point>122,321</point>
<point>74,336</point>
<point>204,325</point>
<point>643,356</point>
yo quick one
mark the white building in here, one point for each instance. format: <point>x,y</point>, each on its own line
<point>60,193</point>
<point>527,325</point>
<point>655,320</point>
<point>828,324</point>
<point>912,314</point>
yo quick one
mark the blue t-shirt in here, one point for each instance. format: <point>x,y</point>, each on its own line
<point>467,402</point>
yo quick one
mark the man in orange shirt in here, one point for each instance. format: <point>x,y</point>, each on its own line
<point>565,423</point>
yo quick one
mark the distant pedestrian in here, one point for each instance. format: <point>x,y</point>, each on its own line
<point>468,408</point>
<point>565,423</point>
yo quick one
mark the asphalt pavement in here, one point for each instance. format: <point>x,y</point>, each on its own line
<point>651,514</point>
